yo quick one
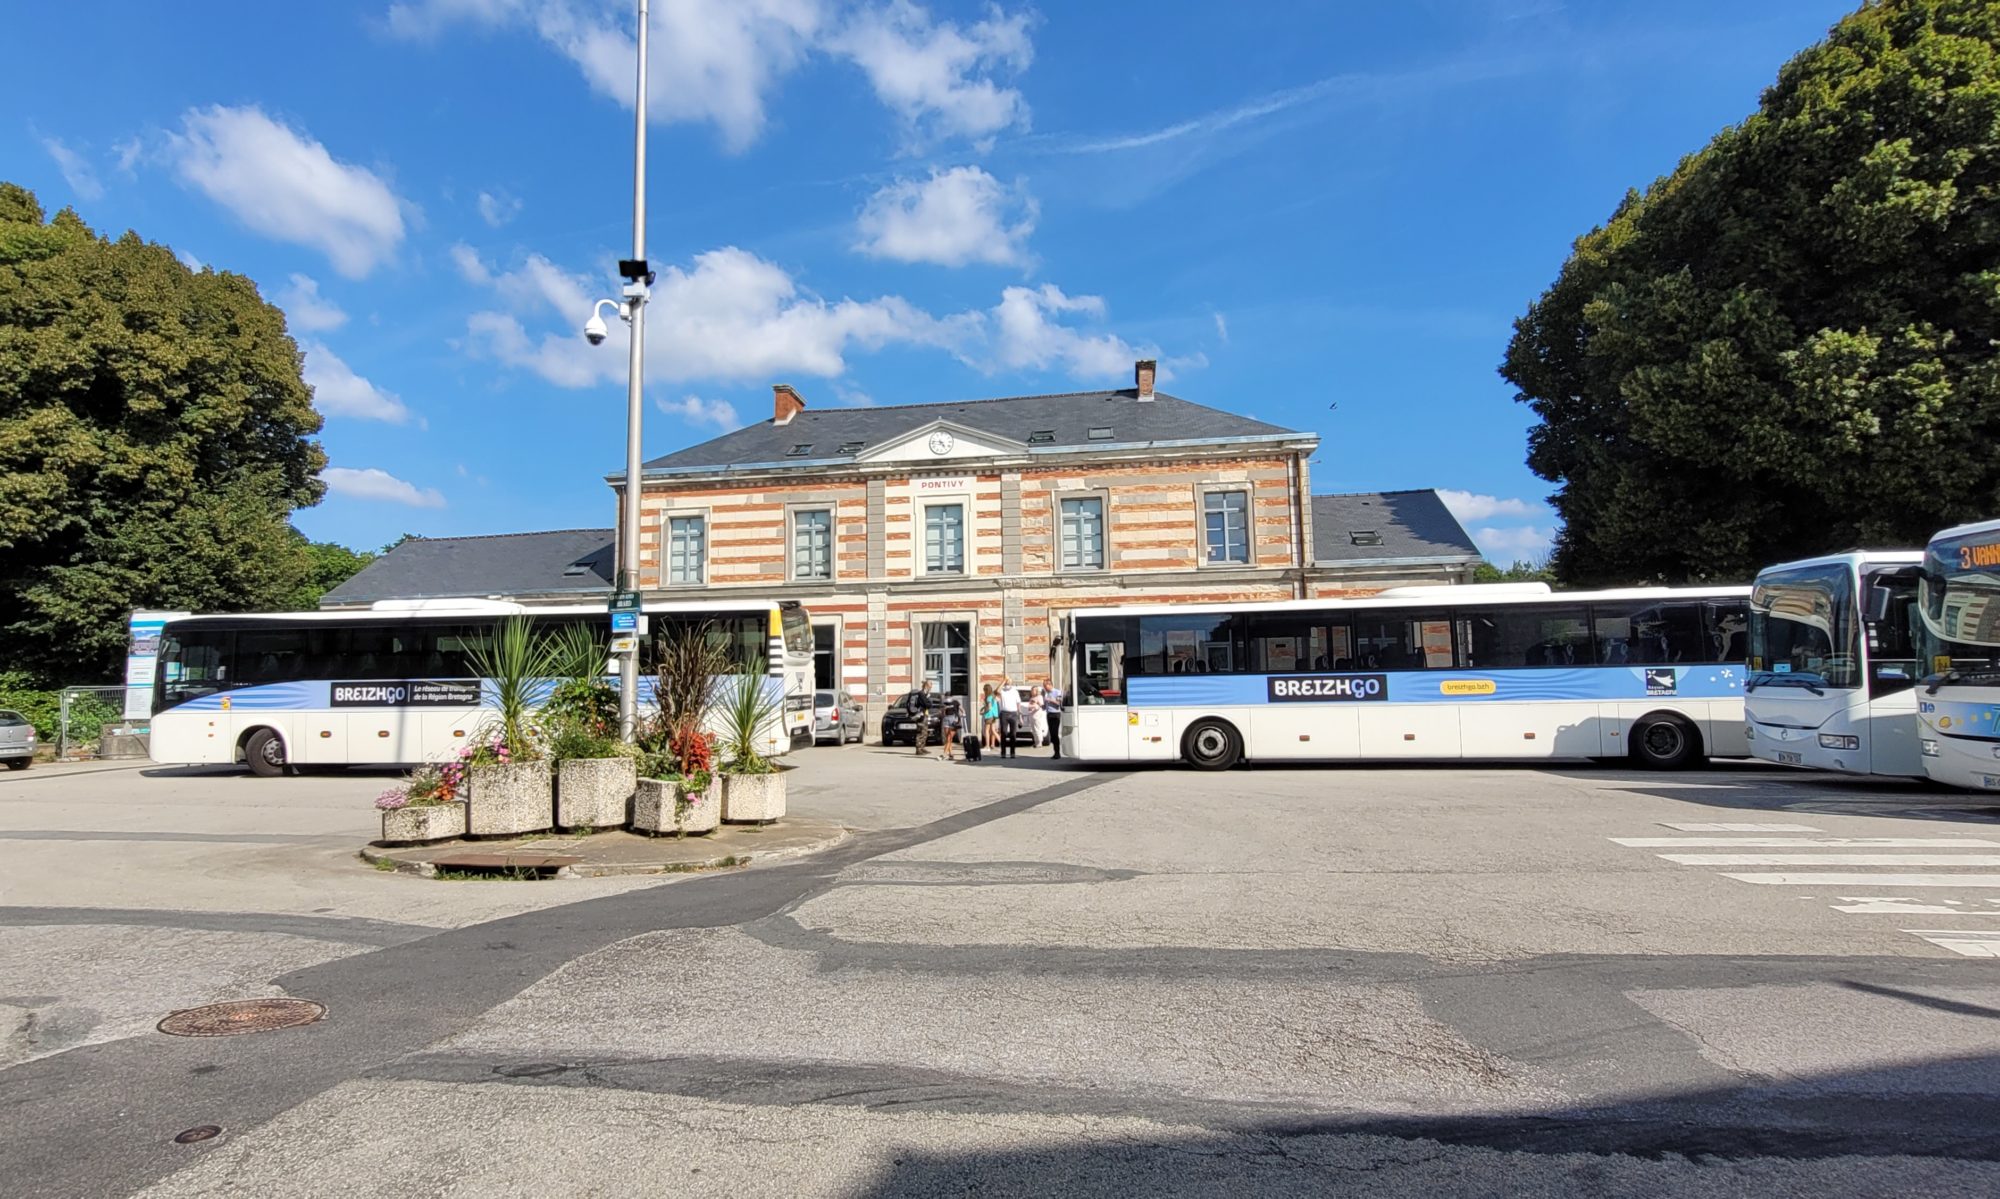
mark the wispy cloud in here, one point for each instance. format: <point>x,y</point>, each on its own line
<point>338,391</point>
<point>370,483</point>
<point>307,310</point>
<point>75,170</point>
<point>496,208</point>
<point>720,414</point>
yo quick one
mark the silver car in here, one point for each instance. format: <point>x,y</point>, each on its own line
<point>17,740</point>
<point>837,717</point>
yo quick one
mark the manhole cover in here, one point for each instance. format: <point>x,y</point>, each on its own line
<point>199,1133</point>
<point>241,1016</point>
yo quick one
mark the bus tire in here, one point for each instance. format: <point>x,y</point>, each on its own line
<point>264,753</point>
<point>1212,745</point>
<point>1665,741</point>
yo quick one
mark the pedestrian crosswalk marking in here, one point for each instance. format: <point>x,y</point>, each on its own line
<point>1804,842</point>
<point>1972,943</point>
<point>1741,828</point>
<point>1833,859</point>
<point>1868,880</point>
<point>1910,905</point>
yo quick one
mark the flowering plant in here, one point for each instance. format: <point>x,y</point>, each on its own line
<point>424,788</point>
<point>393,800</point>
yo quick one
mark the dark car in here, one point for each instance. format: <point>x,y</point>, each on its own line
<point>899,723</point>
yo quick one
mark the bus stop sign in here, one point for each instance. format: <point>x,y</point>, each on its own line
<point>623,621</point>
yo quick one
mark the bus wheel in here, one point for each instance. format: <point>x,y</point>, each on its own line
<point>1212,745</point>
<point>265,754</point>
<point>1664,741</point>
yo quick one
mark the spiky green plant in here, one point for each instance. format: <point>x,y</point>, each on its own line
<point>747,707</point>
<point>513,659</point>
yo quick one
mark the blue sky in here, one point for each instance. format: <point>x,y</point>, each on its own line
<point>1322,215</point>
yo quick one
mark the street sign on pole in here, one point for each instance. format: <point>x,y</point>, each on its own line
<point>624,622</point>
<point>624,601</point>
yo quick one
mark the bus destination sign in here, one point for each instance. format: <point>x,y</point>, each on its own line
<point>1327,688</point>
<point>407,693</point>
<point>1979,557</point>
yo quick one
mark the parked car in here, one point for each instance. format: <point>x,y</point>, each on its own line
<point>17,740</point>
<point>837,717</point>
<point>899,727</point>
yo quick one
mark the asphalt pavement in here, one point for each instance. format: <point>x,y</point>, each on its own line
<point>1029,978</point>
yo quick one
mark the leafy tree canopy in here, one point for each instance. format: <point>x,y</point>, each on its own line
<point>1787,346</point>
<point>1521,571</point>
<point>155,436</point>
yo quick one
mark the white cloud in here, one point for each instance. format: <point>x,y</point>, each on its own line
<point>75,171</point>
<point>306,309</point>
<point>938,76</point>
<point>697,411</point>
<point>1221,327</point>
<point>370,483</point>
<point>497,208</point>
<point>1026,331</point>
<point>338,391</point>
<point>957,216</point>
<point>732,316</point>
<point>851,396</point>
<point>1529,542</point>
<point>712,60</point>
<point>282,183</point>
<point>189,260</point>
<point>470,264</point>
<point>1466,505</point>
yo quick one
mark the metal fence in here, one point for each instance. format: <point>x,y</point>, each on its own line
<point>112,734</point>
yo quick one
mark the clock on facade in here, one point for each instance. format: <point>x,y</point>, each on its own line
<point>941,442</point>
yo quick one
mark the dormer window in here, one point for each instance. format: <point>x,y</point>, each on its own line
<point>800,450</point>
<point>1364,537</point>
<point>851,447</point>
<point>1100,433</point>
<point>575,570</point>
<point>1041,437</point>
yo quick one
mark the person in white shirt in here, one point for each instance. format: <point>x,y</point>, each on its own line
<point>1010,717</point>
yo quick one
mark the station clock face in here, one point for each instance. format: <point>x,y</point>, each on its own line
<point>941,442</point>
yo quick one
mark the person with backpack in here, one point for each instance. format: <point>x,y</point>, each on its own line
<point>921,705</point>
<point>954,719</point>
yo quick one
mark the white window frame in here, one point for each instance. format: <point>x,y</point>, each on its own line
<point>832,542</point>
<point>1103,503</point>
<point>1249,526</point>
<point>964,538</point>
<point>667,520</point>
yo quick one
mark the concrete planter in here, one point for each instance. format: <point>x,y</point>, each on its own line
<point>594,792</point>
<point>514,798</point>
<point>424,822</point>
<point>656,808</point>
<point>754,798</point>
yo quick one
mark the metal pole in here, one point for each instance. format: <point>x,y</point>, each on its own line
<point>635,310</point>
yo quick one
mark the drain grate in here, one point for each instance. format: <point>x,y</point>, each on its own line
<point>239,1016</point>
<point>198,1134</point>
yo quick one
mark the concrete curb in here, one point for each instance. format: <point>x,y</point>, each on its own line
<point>375,855</point>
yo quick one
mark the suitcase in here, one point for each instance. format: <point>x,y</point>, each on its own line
<point>972,750</point>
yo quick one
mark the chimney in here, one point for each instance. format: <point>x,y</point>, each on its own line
<point>1142,372</point>
<point>785,403</point>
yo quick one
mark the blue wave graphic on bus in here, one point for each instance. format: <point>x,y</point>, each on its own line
<point>1975,720</point>
<point>1460,686</point>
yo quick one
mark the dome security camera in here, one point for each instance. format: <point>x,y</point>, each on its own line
<point>594,331</point>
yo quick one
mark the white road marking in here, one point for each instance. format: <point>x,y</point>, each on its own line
<point>1785,879</point>
<point>1833,859</point>
<point>1804,842</point>
<point>1970,943</point>
<point>1742,828</point>
<point>1904,905</point>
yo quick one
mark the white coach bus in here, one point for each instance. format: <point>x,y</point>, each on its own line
<point>394,684</point>
<point>1833,662</point>
<point>1958,703</point>
<point>1493,671</point>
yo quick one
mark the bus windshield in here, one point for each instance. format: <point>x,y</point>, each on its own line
<point>1805,628</point>
<point>1958,598</point>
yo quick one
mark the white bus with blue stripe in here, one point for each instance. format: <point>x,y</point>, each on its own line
<point>1833,663</point>
<point>1958,701</point>
<point>394,684</point>
<point>1421,673</point>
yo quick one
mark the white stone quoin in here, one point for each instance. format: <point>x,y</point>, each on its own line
<point>514,798</point>
<point>424,822</point>
<point>754,798</point>
<point>656,808</point>
<point>594,792</point>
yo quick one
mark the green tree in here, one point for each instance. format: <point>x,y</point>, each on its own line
<point>1521,571</point>
<point>328,566</point>
<point>154,439</point>
<point>1787,345</point>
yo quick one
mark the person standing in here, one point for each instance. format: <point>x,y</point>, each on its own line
<point>989,718</point>
<point>1052,703</point>
<point>1010,717</point>
<point>921,704</point>
<point>1038,720</point>
<point>954,719</point>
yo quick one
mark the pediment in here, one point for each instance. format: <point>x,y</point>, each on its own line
<point>942,441</point>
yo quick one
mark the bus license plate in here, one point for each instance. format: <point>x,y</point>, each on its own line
<point>1791,759</point>
<point>1990,781</point>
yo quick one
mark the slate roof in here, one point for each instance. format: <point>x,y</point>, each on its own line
<point>564,561</point>
<point>838,435</point>
<point>1411,524</point>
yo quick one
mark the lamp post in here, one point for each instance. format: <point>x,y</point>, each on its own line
<point>638,279</point>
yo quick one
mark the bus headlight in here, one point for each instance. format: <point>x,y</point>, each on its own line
<point>1930,748</point>
<point>1839,741</point>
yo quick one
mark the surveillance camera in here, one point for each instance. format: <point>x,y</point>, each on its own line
<point>594,331</point>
